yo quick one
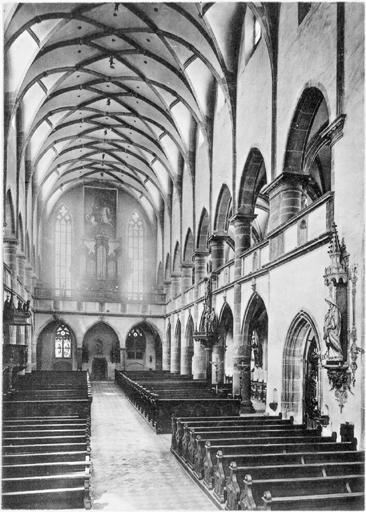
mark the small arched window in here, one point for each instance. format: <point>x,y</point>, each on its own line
<point>63,343</point>
<point>63,252</point>
<point>136,344</point>
<point>135,241</point>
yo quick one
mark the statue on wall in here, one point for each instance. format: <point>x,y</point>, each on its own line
<point>332,331</point>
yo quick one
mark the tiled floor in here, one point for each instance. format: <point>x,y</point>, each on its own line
<point>133,468</point>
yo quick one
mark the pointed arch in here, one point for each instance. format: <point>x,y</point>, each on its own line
<point>159,275</point>
<point>308,105</point>
<point>143,341</point>
<point>223,210</point>
<point>48,356</point>
<point>301,333</point>
<point>176,349</point>
<point>203,231</point>
<point>177,259</point>
<point>253,179</point>
<point>188,248</point>
<point>9,214</point>
<point>187,352</point>
<point>167,272</point>
<point>20,233</point>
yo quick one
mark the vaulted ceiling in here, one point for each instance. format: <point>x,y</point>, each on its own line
<point>115,91</point>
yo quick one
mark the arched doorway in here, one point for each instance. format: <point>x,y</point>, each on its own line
<point>255,346</point>
<point>176,349</point>
<point>223,352</point>
<point>101,351</point>
<point>56,348</point>
<point>187,349</point>
<point>143,348</point>
<point>301,393</point>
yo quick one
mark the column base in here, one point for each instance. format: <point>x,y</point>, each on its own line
<point>246,408</point>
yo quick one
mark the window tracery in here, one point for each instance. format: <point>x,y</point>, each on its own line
<point>63,343</point>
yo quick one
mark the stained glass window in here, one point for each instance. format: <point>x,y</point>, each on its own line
<point>63,252</point>
<point>136,344</point>
<point>63,343</point>
<point>135,240</point>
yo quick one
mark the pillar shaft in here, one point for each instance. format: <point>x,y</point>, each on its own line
<point>217,248</point>
<point>186,279</point>
<point>199,361</point>
<point>168,290</point>
<point>21,267</point>
<point>200,270</point>
<point>285,194</point>
<point>166,350</point>
<point>10,257</point>
<point>175,286</point>
<point>28,342</point>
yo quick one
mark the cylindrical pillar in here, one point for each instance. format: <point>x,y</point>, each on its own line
<point>217,249</point>
<point>199,259</point>
<point>186,280</point>
<point>199,361</point>
<point>175,287</point>
<point>218,354</point>
<point>21,267</point>
<point>28,342</point>
<point>285,194</point>
<point>241,371</point>
<point>166,348</point>
<point>28,277</point>
<point>10,257</point>
<point>167,290</point>
<point>175,352</point>
<point>122,352</point>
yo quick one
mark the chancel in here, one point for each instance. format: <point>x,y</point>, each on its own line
<point>183,256</point>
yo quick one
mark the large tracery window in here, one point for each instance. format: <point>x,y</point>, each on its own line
<point>135,241</point>
<point>63,343</point>
<point>63,252</point>
<point>136,344</point>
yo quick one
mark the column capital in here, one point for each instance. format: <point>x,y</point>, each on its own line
<point>242,217</point>
<point>10,240</point>
<point>200,253</point>
<point>218,236</point>
<point>286,178</point>
<point>176,275</point>
<point>187,265</point>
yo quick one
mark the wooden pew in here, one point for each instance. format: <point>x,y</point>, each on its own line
<point>190,444</point>
<point>233,449</point>
<point>299,493</point>
<point>45,468</point>
<point>179,424</point>
<point>61,498</point>
<point>296,458</point>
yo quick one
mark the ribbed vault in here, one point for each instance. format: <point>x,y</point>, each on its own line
<point>113,91</point>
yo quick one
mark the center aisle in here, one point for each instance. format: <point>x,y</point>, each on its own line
<point>133,468</point>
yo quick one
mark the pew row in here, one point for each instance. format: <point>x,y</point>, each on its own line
<point>158,407</point>
<point>264,463</point>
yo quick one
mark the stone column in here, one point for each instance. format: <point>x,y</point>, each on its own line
<point>21,267</point>
<point>167,290</point>
<point>166,348</point>
<point>199,259</point>
<point>285,194</point>
<point>13,334</point>
<point>10,245</point>
<point>218,370</point>
<point>28,342</point>
<point>122,352</point>
<point>79,358</point>
<point>186,280</point>
<point>217,248</point>
<point>241,370</point>
<point>28,277</point>
<point>175,286</point>
<point>199,361</point>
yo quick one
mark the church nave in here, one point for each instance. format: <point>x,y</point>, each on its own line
<point>133,468</point>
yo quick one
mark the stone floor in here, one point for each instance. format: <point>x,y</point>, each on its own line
<point>133,468</point>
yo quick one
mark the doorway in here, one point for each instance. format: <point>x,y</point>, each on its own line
<point>99,368</point>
